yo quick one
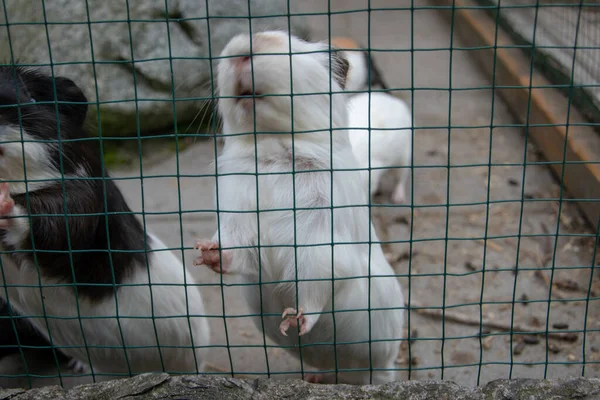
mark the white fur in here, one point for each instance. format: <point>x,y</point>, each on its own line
<point>24,156</point>
<point>312,226</point>
<point>390,139</point>
<point>100,327</point>
<point>358,72</point>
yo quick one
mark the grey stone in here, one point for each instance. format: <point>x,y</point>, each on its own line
<point>160,386</point>
<point>171,59</point>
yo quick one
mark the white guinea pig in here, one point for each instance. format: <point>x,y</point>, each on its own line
<point>95,284</point>
<point>316,267</point>
<point>388,135</point>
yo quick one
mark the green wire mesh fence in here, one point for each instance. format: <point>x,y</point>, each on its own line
<point>496,261</point>
<point>558,26</point>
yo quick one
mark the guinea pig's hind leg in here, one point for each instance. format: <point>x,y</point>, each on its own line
<point>7,206</point>
<point>289,320</point>
<point>306,323</point>
<point>219,262</point>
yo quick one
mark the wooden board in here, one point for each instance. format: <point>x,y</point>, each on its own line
<point>547,106</point>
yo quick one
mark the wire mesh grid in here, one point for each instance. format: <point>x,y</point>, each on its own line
<point>558,25</point>
<point>495,260</point>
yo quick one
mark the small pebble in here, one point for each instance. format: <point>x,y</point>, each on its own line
<point>560,325</point>
<point>595,349</point>
<point>570,337</point>
<point>414,361</point>
<point>401,220</point>
<point>513,182</point>
<point>485,331</point>
<point>518,349</point>
<point>432,153</point>
<point>390,257</point>
<point>554,348</point>
<point>430,374</point>
<point>524,299</point>
<point>470,266</point>
<point>530,339</point>
<point>567,285</point>
<point>571,357</point>
<point>414,335</point>
<point>487,342</point>
<point>528,196</point>
<point>405,256</point>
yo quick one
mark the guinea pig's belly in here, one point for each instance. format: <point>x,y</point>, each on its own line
<point>25,293</point>
<point>351,330</point>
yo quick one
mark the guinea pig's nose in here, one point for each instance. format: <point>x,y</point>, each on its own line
<point>241,61</point>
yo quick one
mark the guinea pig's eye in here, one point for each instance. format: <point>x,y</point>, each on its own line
<point>7,100</point>
<point>11,100</point>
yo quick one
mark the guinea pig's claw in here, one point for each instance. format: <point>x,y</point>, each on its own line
<point>209,256</point>
<point>288,311</point>
<point>206,245</point>
<point>292,320</point>
<point>303,329</point>
<point>198,261</point>
<point>284,326</point>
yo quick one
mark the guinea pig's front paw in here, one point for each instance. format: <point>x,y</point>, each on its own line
<point>209,256</point>
<point>7,206</point>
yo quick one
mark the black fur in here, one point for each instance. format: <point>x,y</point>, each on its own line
<point>339,68</point>
<point>87,233</point>
<point>29,337</point>
<point>376,75</point>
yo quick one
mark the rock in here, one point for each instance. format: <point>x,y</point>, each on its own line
<point>161,386</point>
<point>168,57</point>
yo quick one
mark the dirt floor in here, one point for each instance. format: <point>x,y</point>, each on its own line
<point>450,265</point>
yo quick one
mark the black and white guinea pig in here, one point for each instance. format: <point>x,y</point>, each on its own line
<point>71,246</point>
<point>361,65</point>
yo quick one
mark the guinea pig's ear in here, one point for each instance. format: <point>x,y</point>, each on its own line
<point>339,68</point>
<point>68,91</point>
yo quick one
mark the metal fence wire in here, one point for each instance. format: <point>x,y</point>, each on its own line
<point>566,44</point>
<point>497,262</point>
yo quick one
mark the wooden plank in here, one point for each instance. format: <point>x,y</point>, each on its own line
<point>556,30</point>
<point>548,106</point>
